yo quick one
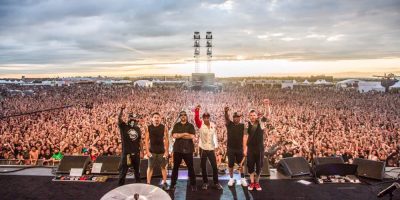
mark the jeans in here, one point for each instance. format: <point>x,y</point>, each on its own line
<point>188,158</point>
<point>210,155</point>
<point>123,167</point>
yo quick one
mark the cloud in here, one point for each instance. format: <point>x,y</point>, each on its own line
<point>335,38</point>
<point>63,33</point>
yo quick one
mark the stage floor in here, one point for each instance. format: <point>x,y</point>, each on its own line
<point>36,183</point>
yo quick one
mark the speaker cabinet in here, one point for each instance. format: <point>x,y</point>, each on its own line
<point>110,164</point>
<point>294,166</point>
<point>68,162</point>
<point>370,169</point>
<point>328,160</point>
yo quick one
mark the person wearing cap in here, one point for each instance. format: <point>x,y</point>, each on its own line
<point>235,135</point>
<point>183,132</point>
<point>207,144</point>
<point>253,144</point>
<point>131,146</point>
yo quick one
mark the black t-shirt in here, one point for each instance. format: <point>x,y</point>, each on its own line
<point>235,136</point>
<point>183,145</point>
<point>130,137</point>
<point>255,141</point>
<point>156,136</point>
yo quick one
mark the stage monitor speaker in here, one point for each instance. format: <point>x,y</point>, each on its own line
<point>110,164</point>
<point>369,168</point>
<point>144,163</point>
<point>197,167</point>
<point>294,166</point>
<point>264,170</point>
<point>68,162</point>
<point>331,169</point>
<point>328,160</point>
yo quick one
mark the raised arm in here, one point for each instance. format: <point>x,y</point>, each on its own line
<point>197,116</point>
<point>267,107</point>
<point>266,114</point>
<point>227,118</point>
<point>120,121</point>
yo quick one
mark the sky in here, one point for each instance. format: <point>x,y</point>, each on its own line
<point>62,38</point>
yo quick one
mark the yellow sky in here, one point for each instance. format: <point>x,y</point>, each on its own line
<point>231,68</point>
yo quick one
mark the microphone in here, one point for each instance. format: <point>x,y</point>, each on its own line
<point>389,190</point>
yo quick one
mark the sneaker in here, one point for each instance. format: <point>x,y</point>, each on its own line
<point>257,186</point>
<point>231,182</point>
<point>244,182</point>
<point>251,187</point>
<point>164,186</point>
<point>204,186</point>
<point>218,186</point>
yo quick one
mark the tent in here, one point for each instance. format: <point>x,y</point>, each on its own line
<point>370,86</point>
<point>288,84</point>
<point>348,83</point>
<point>322,82</point>
<point>395,86</point>
<point>143,83</point>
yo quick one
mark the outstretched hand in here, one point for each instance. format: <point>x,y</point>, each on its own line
<point>226,109</point>
<point>198,107</point>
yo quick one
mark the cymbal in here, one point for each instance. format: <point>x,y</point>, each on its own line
<point>137,191</point>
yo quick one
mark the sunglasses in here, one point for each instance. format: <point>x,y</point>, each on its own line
<point>183,115</point>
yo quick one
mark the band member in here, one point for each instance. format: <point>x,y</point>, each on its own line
<point>254,145</point>
<point>235,133</point>
<point>207,144</point>
<point>183,149</point>
<point>156,141</point>
<point>131,146</point>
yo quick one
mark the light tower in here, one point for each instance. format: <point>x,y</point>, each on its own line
<point>196,46</point>
<point>209,50</point>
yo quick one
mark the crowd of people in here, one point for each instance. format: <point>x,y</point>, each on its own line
<point>339,122</point>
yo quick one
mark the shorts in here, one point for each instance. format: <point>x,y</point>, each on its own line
<point>234,157</point>
<point>157,160</point>
<point>255,162</point>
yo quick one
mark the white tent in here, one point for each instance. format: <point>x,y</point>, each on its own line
<point>395,86</point>
<point>322,82</point>
<point>370,86</point>
<point>143,83</point>
<point>346,83</point>
<point>288,84</point>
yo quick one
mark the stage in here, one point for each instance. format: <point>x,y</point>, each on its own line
<point>36,183</point>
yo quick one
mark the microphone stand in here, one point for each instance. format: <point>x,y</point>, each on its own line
<point>313,152</point>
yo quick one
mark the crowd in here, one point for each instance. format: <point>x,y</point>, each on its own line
<point>344,123</point>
